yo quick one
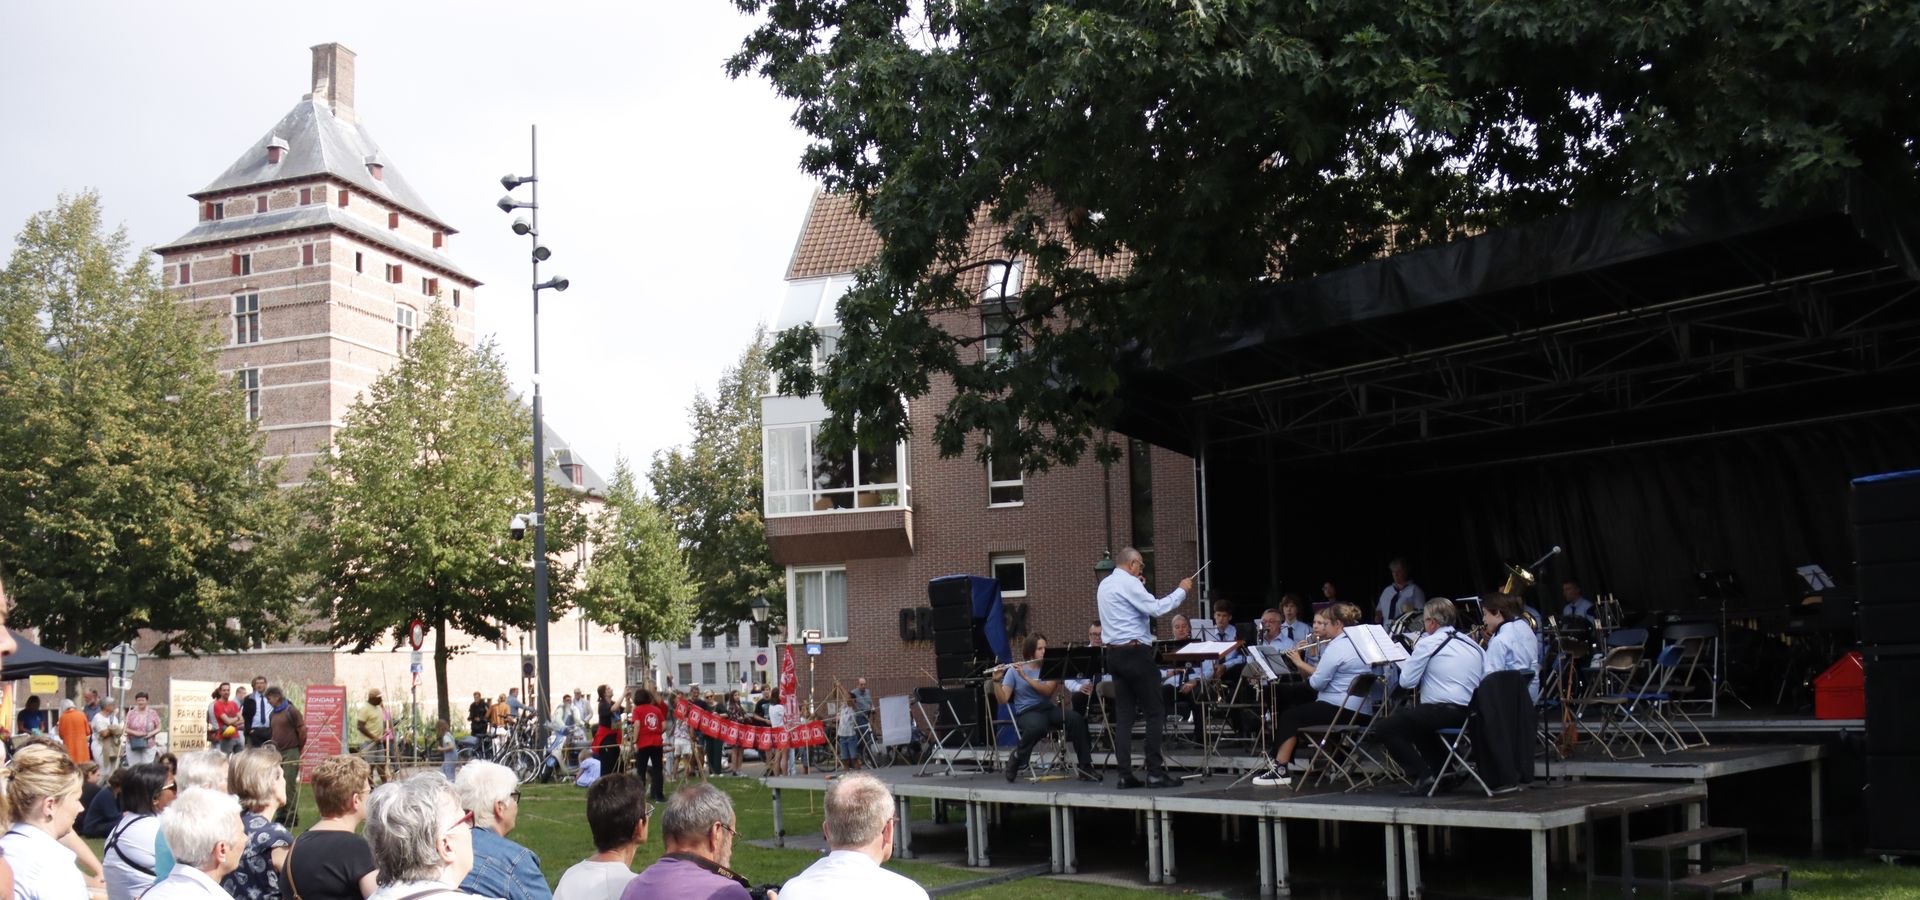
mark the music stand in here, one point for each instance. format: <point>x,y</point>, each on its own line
<point>1721,586</point>
<point>1204,651</point>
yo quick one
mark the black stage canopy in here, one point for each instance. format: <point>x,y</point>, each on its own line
<point>1658,403</point>
<point>32,659</point>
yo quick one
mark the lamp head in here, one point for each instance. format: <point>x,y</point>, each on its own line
<point>541,253</point>
<point>522,226</point>
<point>507,204</point>
<point>557,283</point>
<point>511,181</point>
<point>760,608</point>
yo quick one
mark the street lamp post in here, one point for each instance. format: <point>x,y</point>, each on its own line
<point>508,204</point>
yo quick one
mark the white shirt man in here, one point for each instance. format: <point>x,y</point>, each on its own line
<point>859,831</point>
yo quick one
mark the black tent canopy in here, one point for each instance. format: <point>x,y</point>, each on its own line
<point>32,659</point>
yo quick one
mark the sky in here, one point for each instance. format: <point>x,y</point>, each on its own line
<point>670,195</point>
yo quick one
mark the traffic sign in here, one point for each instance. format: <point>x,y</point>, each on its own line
<point>416,633</point>
<point>416,664</point>
<point>123,659</point>
<point>813,649</point>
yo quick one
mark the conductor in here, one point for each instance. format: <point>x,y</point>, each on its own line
<point>1127,610</point>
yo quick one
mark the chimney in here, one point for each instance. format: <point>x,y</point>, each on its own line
<point>276,149</point>
<point>333,79</point>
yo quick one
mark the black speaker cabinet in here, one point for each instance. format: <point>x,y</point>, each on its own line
<point>1887,542</point>
<point>1884,583</point>
<point>1893,787</point>
<point>1887,498</point>
<point>953,665</point>
<point>950,592</point>
<point>952,618</point>
<point>957,641</point>
<point>1892,728</point>
<point>1889,623</point>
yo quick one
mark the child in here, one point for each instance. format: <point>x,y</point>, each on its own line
<point>589,769</point>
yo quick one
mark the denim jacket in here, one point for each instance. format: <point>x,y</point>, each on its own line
<point>504,869</point>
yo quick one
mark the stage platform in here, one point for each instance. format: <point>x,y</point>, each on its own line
<point>1541,811</point>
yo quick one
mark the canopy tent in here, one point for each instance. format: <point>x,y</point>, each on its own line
<point>32,659</point>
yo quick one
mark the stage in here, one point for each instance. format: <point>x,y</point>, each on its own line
<point>1547,812</point>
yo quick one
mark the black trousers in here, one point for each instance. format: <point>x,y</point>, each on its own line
<point>647,764</point>
<point>1136,690</point>
<point>1037,722</point>
<point>1410,736</point>
<point>1295,718</point>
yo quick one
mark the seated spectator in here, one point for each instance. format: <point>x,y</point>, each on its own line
<point>422,840</point>
<point>132,848</point>
<point>617,813</point>
<point>501,868</point>
<point>255,778</point>
<point>90,787</point>
<point>43,797</point>
<point>203,829</point>
<point>859,830</point>
<point>329,861</point>
<point>698,823</point>
<point>202,768</point>
<point>103,811</point>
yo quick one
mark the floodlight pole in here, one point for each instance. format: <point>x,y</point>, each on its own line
<point>540,612</point>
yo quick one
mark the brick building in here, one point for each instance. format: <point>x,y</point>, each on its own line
<point>860,538</point>
<point>316,262</point>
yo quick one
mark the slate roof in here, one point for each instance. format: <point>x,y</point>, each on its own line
<point>559,454</point>
<point>320,143</point>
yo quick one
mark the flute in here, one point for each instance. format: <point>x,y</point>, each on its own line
<point>1005,666</point>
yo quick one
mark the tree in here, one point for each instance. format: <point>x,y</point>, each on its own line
<point>132,493</point>
<point>409,513</point>
<point>711,491</point>
<point>1209,146</point>
<point>638,580</point>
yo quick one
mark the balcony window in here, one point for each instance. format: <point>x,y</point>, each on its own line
<point>802,477</point>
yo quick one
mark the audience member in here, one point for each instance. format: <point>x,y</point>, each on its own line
<point>131,850</point>
<point>103,811</point>
<point>329,861</point>
<point>257,713</point>
<point>143,723</point>
<point>589,770</point>
<point>43,798</point>
<point>202,768</point>
<point>501,868</point>
<point>203,829</point>
<point>859,830</point>
<point>74,731</point>
<point>422,840</point>
<point>618,813</point>
<point>698,826</point>
<point>225,714</point>
<point>109,735</point>
<point>255,778</point>
<point>649,732</point>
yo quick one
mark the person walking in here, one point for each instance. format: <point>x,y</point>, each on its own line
<point>287,730</point>
<point>649,736</point>
<point>143,723</point>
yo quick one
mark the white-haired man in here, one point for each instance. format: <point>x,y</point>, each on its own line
<point>203,829</point>
<point>859,829</point>
<point>501,868</point>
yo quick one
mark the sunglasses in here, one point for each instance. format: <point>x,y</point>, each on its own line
<point>466,820</point>
<point>169,786</point>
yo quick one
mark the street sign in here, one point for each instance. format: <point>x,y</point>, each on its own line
<point>760,659</point>
<point>813,649</point>
<point>416,633</point>
<point>417,664</point>
<point>120,684</point>
<point>123,659</point>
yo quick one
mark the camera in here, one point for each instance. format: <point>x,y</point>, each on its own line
<point>517,527</point>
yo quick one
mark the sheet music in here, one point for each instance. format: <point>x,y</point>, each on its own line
<point>1375,644</point>
<point>1816,577</point>
<point>1209,648</point>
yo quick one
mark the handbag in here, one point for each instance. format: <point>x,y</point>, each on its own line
<point>136,743</point>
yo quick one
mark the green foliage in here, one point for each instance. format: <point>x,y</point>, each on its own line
<point>1222,143</point>
<point>132,493</point>
<point>637,581</point>
<point>410,511</point>
<point>711,491</point>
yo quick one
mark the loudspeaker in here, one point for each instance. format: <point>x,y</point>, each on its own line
<point>1887,542</point>
<point>955,590</point>
<point>1889,623</point>
<point>1886,498</point>
<point>1889,583</point>
<point>1891,726</point>
<point>958,641</point>
<point>953,665</point>
<point>1893,781</point>
<point>951,618</point>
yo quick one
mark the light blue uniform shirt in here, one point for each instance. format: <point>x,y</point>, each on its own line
<point>1229,633</point>
<point>1443,675</point>
<point>1581,607</point>
<point>1339,664</point>
<point>1290,633</point>
<point>1514,648</point>
<point>1023,697</point>
<point>1395,601</point>
<point>1127,609</point>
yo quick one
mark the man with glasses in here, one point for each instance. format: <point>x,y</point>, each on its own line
<point>1127,611</point>
<point>501,868</point>
<point>699,826</point>
<point>617,814</point>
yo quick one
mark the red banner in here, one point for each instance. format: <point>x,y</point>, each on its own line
<point>326,717</point>
<point>805,734</point>
<point>789,683</point>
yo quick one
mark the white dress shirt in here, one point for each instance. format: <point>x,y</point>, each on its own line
<point>42,869</point>
<point>186,883</point>
<point>1397,601</point>
<point>1514,648</point>
<point>851,873</point>
<point>1127,609</point>
<point>137,837</point>
<point>1340,664</point>
<point>589,880</point>
<point>1445,667</point>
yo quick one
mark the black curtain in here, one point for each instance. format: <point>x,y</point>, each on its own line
<point>1633,522</point>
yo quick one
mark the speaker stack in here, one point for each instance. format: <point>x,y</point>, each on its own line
<point>1886,528</point>
<point>952,603</point>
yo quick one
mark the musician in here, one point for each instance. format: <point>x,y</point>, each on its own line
<point>1577,604</point>
<point>1445,668</point>
<point>1513,646</point>
<point>1127,611</point>
<point>1283,626</point>
<point>1400,597</point>
<point>1182,679</point>
<point>1224,630</point>
<point>1035,712</point>
<point>1340,663</point>
<point>1082,688</point>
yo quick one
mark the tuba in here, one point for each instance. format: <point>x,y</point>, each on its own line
<point>1519,580</point>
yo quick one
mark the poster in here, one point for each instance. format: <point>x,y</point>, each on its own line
<point>187,703</point>
<point>896,721</point>
<point>326,714</point>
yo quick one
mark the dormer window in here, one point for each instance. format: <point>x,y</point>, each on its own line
<point>260,204</point>
<point>276,151</point>
<point>374,167</point>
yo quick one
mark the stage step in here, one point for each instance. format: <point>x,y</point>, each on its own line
<point>1692,838</point>
<point>1742,874</point>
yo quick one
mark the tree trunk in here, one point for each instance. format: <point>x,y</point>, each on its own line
<point>440,668</point>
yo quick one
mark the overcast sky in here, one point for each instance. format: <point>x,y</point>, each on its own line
<point>670,195</point>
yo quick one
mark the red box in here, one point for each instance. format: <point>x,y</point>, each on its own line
<point>1841,691</point>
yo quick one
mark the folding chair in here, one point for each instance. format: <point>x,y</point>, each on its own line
<point>1665,706</point>
<point>1623,708</point>
<point>1333,742</point>
<point>950,734</point>
<point>1692,684</point>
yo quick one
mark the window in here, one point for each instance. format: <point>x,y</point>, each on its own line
<point>818,599</point>
<point>1010,569</point>
<point>217,211</point>
<point>343,199</point>
<point>246,318</point>
<point>1003,280</point>
<point>997,336</point>
<point>260,204</point>
<point>306,254</point>
<point>801,477</point>
<point>403,319</point>
<point>242,263</point>
<point>456,298</point>
<point>360,262</point>
<point>706,642</point>
<point>707,674</point>
<point>248,380</point>
<point>430,287</point>
<point>186,273</point>
<point>1005,484</point>
<point>583,634</point>
<point>733,639</point>
<point>686,674</point>
<point>733,672</point>
<point>686,643</point>
<point>306,196</point>
<point>439,239</point>
<point>396,273</point>
<point>393,220</point>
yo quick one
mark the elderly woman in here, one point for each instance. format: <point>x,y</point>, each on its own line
<point>422,840</point>
<point>143,724</point>
<point>254,777</point>
<point>203,828</point>
<point>109,735</point>
<point>132,846</point>
<point>501,868</point>
<point>203,769</point>
<point>43,796</point>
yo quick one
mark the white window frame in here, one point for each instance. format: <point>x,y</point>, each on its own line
<point>1003,280</point>
<point>997,560</point>
<point>686,675</point>
<point>405,320</point>
<point>811,496</point>
<point>1018,481</point>
<point>246,319</point>
<point>248,381</point>
<point>996,302</point>
<point>707,669</point>
<point>796,623</point>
